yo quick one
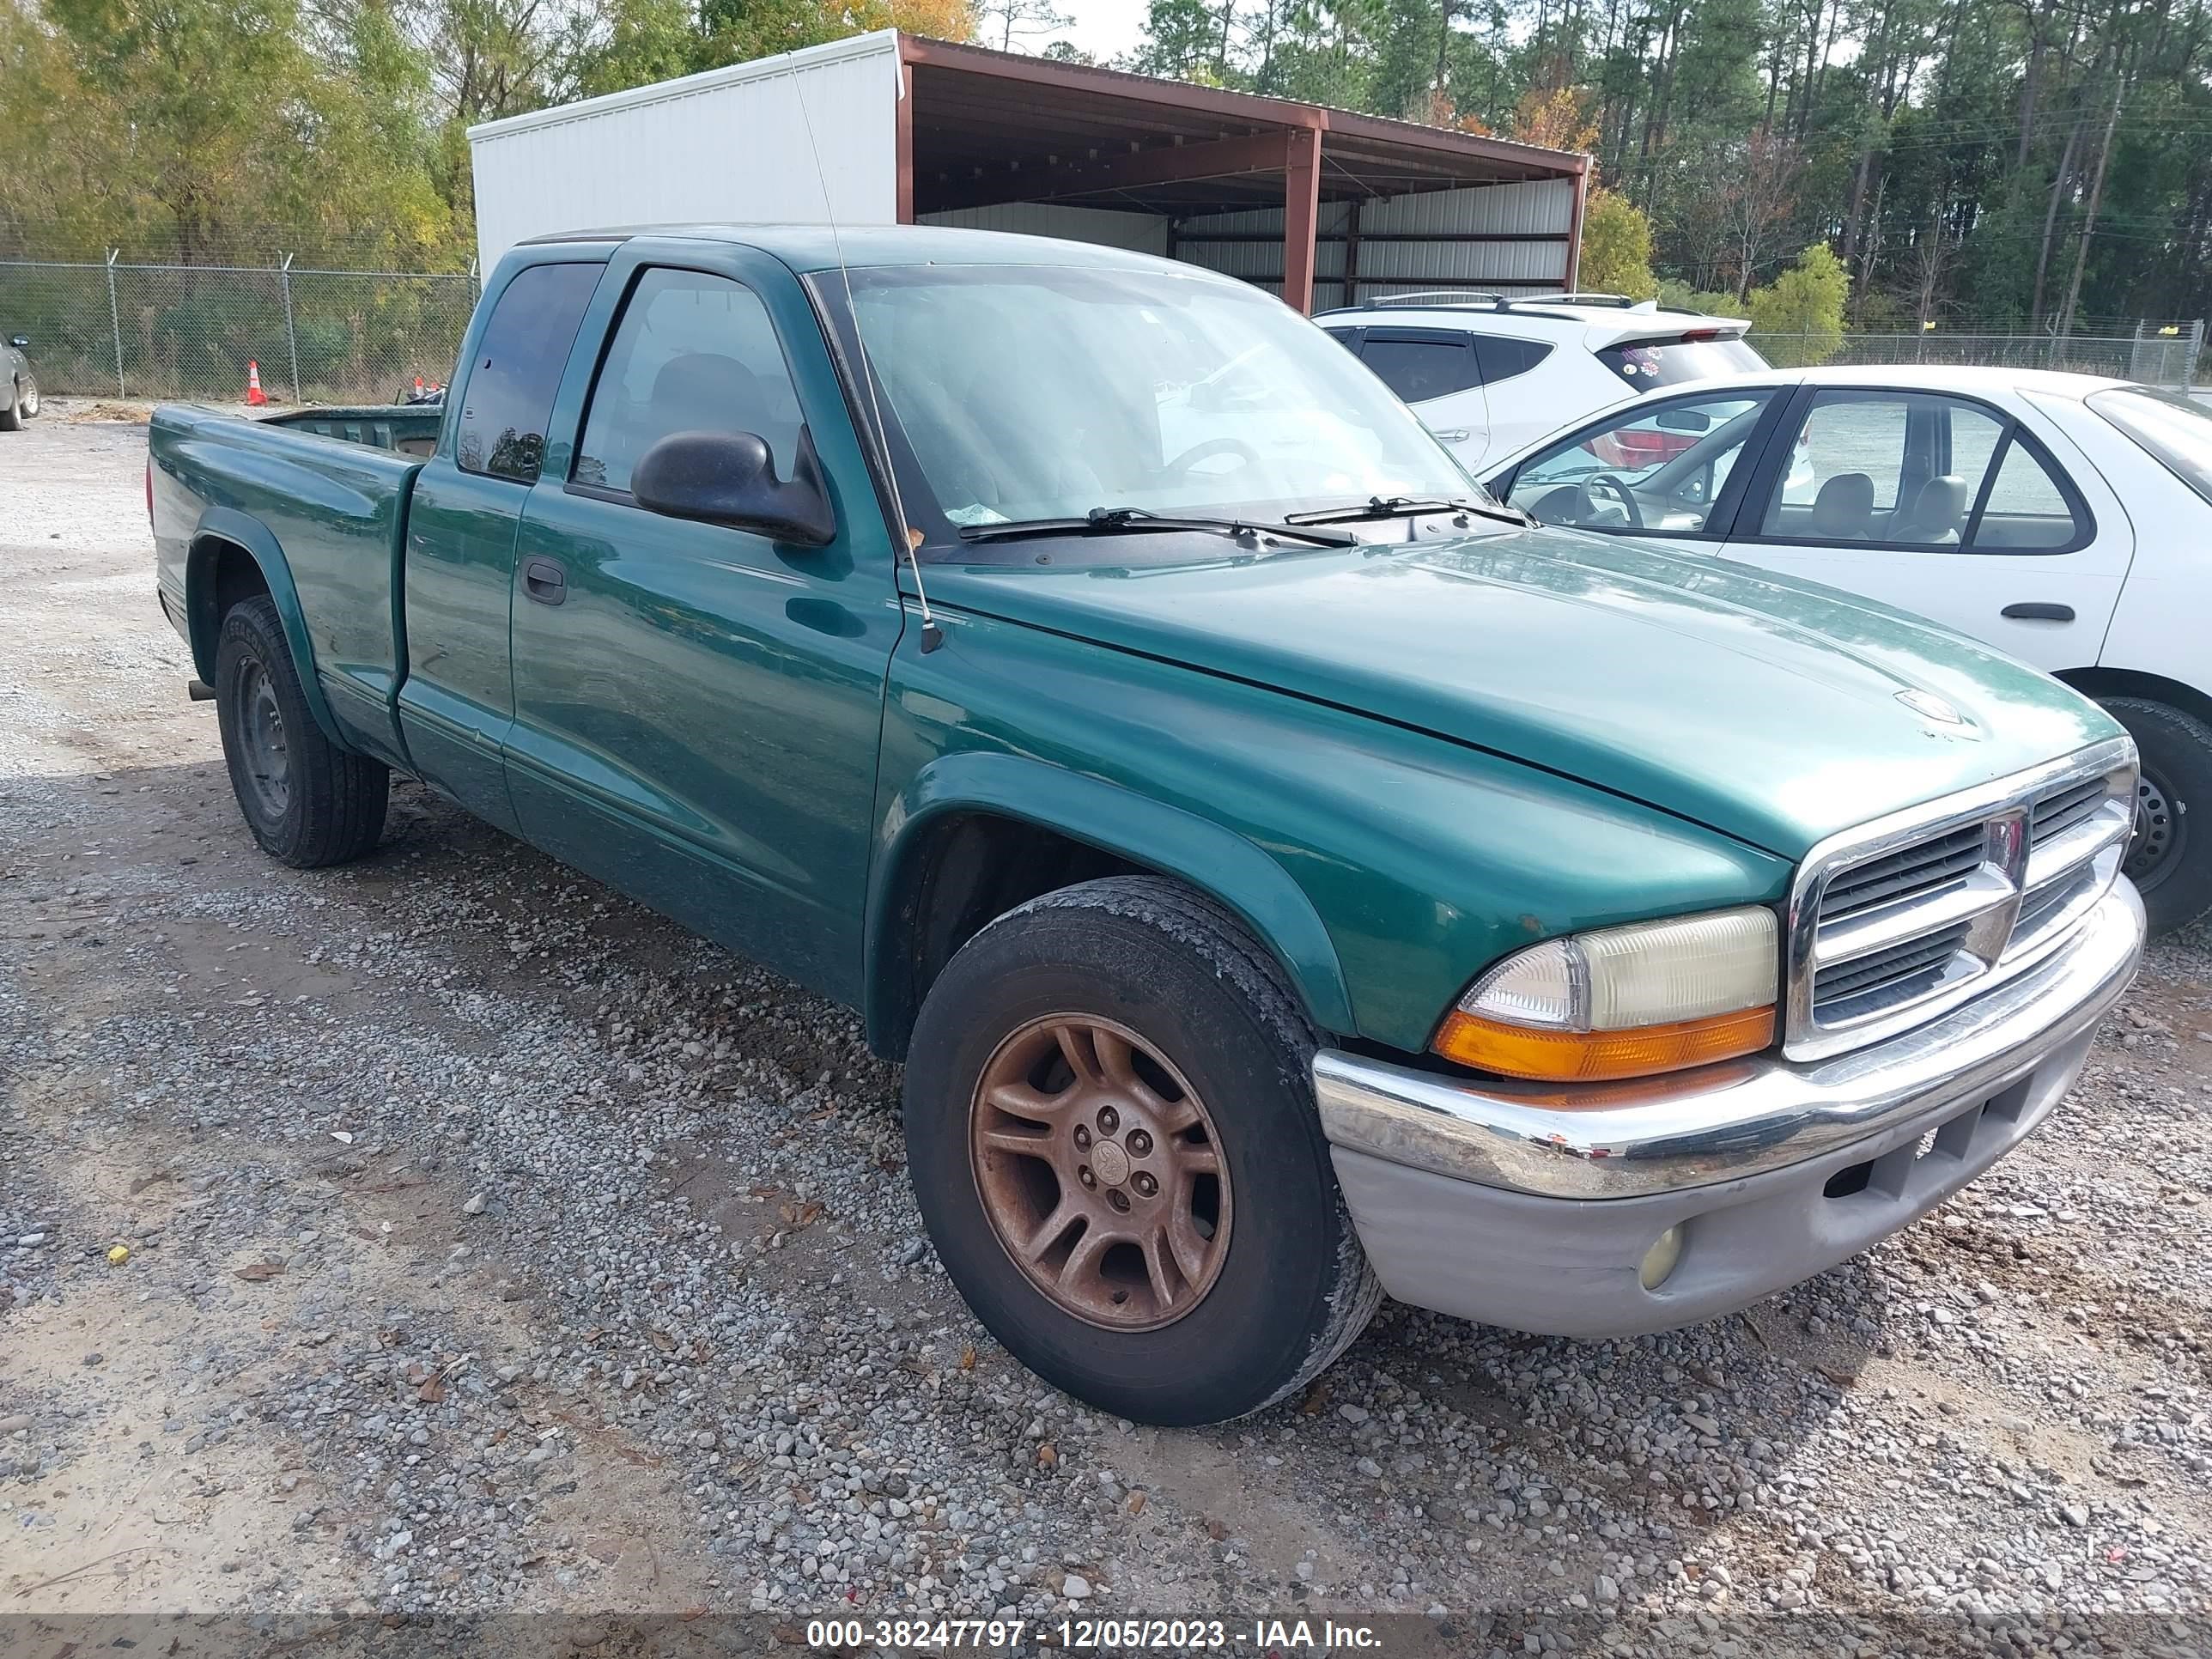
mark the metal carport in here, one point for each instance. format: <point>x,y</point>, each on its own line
<point>1320,205</point>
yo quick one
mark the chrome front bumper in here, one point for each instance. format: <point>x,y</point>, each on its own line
<point>1723,1123</point>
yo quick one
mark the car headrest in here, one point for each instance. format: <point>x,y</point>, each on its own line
<point>1938,511</point>
<point>1845,506</point>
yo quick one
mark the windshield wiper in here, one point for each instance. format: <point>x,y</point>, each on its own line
<point>1399,507</point>
<point>1135,521</point>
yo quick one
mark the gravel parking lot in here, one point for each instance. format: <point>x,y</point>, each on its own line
<point>494,1245</point>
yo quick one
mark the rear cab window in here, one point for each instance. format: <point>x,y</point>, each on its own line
<point>516,369</point>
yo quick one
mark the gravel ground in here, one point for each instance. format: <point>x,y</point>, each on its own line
<point>493,1245</point>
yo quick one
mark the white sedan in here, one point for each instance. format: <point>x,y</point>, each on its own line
<point>2065,518</point>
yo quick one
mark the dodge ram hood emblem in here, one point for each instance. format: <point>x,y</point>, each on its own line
<point>1929,706</point>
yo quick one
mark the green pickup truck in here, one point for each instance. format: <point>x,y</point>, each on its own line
<point>1288,876</point>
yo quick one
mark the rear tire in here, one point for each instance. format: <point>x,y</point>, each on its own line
<point>308,802</point>
<point>2170,859</point>
<point>1188,1137</point>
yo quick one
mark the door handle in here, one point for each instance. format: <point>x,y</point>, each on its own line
<point>2038,612</point>
<point>1453,434</point>
<point>545,581</point>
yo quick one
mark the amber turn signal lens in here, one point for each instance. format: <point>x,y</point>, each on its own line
<point>1601,1056</point>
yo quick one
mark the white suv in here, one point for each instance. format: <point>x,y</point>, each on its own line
<point>1551,360</point>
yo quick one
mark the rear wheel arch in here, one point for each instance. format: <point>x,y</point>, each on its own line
<point>233,558</point>
<point>979,835</point>
<point>2101,682</point>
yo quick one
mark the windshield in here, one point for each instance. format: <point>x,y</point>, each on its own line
<point>1021,393</point>
<point>1648,365</point>
<point>2175,430</point>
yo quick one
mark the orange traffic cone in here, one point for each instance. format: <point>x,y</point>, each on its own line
<point>255,397</point>
<point>418,386</point>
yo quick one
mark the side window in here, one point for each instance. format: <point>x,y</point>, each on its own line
<point>517,369</point>
<point>1846,469</point>
<point>1905,470</point>
<point>1503,359</point>
<point>1346,338</point>
<point>2026,508</point>
<point>1652,467</point>
<point>692,352</point>
<point>1421,364</point>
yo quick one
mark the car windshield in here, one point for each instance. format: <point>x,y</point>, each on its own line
<point>1012,393</point>
<point>2175,430</point>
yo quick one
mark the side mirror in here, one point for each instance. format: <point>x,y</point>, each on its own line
<point>20,342</point>
<point>729,478</point>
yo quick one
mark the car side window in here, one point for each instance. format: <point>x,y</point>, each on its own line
<point>1503,359</point>
<point>517,368</point>
<point>1656,468</point>
<point>2024,508</point>
<point>1420,364</point>
<point>692,352</point>
<point>1905,469</point>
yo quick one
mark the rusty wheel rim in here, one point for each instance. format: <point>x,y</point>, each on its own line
<point>1099,1168</point>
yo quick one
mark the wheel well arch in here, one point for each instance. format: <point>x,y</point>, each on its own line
<point>951,874</point>
<point>234,557</point>
<point>2103,682</point>
<point>957,873</point>
<point>219,573</point>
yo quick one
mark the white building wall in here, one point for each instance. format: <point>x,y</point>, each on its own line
<point>730,145</point>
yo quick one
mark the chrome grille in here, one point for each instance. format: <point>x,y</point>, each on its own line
<point>1892,923</point>
<point>2060,810</point>
<point>1919,869</point>
<point>1882,979</point>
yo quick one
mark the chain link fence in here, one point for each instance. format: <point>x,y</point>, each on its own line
<point>2163,354</point>
<point>145,331</point>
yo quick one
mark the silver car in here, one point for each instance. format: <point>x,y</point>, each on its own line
<point>19,389</point>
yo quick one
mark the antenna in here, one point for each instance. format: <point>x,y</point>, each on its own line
<point>932,635</point>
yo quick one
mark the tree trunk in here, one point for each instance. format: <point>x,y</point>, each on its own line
<point>2096,197</point>
<point>2050,220</point>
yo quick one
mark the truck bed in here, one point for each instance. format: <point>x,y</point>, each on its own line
<point>333,503</point>
<point>404,428</point>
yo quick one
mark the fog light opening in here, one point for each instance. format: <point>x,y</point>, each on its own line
<point>1660,1259</point>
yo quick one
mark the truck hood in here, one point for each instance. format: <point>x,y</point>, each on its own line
<point>1776,711</point>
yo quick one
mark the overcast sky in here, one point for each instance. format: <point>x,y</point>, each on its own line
<point>1104,28</point>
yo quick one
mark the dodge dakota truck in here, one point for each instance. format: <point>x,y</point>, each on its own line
<point>1288,876</point>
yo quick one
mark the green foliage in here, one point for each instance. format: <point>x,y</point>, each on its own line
<point>1616,247</point>
<point>1798,318</point>
<point>1947,148</point>
<point>1678,295</point>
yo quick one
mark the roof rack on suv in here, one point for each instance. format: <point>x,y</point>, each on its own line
<point>1441,299</point>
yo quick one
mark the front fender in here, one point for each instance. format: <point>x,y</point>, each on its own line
<point>1236,872</point>
<point>218,525</point>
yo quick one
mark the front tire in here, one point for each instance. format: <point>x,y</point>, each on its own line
<point>14,412</point>
<point>1111,1127</point>
<point>308,802</point>
<point>2170,859</point>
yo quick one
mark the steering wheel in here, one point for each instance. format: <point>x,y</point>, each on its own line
<point>1246,455</point>
<point>1615,490</point>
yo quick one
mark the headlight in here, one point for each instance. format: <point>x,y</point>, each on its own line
<point>1623,1001</point>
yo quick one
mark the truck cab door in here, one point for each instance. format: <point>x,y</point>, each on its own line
<point>457,702</point>
<point>698,709</point>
